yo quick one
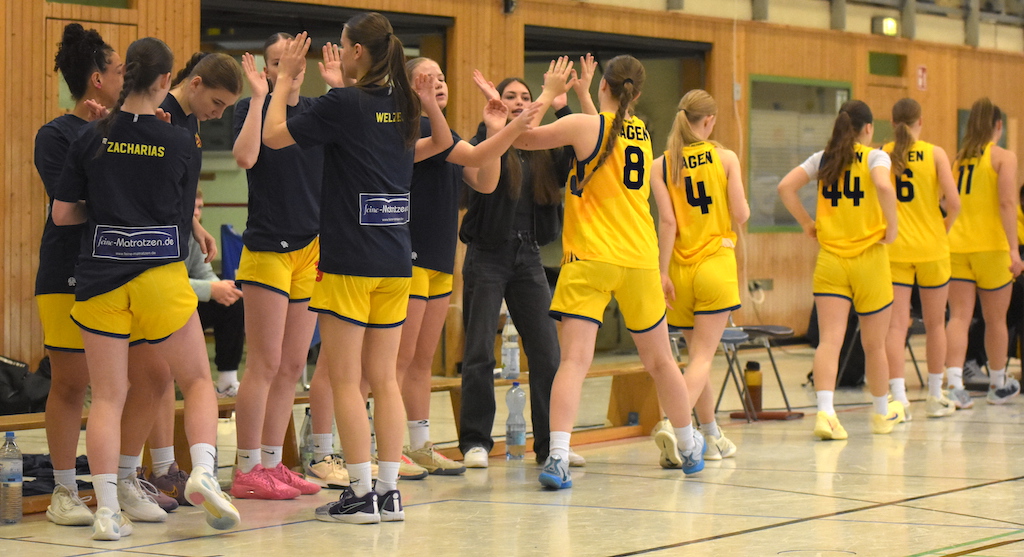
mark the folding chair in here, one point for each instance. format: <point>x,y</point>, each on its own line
<point>731,339</point>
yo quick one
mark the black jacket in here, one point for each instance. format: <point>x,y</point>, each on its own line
<point>489,218</point>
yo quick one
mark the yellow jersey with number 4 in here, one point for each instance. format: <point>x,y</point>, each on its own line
<point>978,226</point>
<point>700,202</point>
<point>922,231</point>
<point>849,218</point>
<point>609,218</point>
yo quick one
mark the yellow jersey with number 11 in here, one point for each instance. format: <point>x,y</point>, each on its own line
<point>978,226</point>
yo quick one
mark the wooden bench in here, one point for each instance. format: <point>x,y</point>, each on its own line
<point>632,412</point>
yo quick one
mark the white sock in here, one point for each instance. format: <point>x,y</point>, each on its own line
<point>710,429</point>
<point>419,433</point>
<point>106,491</point>
<point>163,458</point>
<point>127,465</point>
<point>898,388</point>
<point>387,476</point>
<point>955,377</point>
<point>997,377</point>
<point>248,459</point>
<point>323,446</point>
<point>881,404</point>
<point>271,456</point>
<point>685,437</point>
<point>935,385</point>
<point>825,402</point>
<point>66,478</point>
<point>360,477</point>
<point>204,455</point>
<point>227,378</point>
<point>559,445</point>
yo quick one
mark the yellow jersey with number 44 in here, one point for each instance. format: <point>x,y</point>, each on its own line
<point>849,218</point>
<point>978,226</point>
<point>922,231</point>
<point>609,218</point>
<point>700,203</point>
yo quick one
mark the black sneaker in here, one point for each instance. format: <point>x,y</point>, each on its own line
<point>391,508</point>
<point>351,509</point>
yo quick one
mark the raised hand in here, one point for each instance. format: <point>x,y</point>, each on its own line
<point>96,110</point>
<point>163,115</point>
<point>257,80</point>
<point>426,88</point>
<point>588,67</point>
<point>330,68</point>
<point>559,78</point>
<point>486,87</point>
<point>525,119</point>
<point>495,115</point>
<point>293,59</point>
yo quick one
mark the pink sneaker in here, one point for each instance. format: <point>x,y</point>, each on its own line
<point>286,476</point>
<point>260,483</point>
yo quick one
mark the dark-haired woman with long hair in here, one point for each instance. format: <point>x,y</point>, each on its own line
<point>920,254</point>
<point>126,177</point>
<point>504,232</point>
<point>609,247</point>
<point>93,71</point>
<point>277,271</point>
<point>856,215</point>
<point>371,137</point>
<point>983,252</point>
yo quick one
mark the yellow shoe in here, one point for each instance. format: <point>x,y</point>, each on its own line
<point>883,425</point>
<point>827,427</point>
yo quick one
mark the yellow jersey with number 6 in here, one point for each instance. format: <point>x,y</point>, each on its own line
<point>922,231</point>
<point>849,218</point>
<point>609,217</point>
<point>978,226</point>
<point>700,202</point>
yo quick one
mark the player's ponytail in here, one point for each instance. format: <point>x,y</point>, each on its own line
<point>79,54</point>
<point>387,65</point>
<point>905,113</point>
<point>625,77</point>
<point>695,105</point>
<point>838,155</point>
<point>980,125</point>
<point>145,61</point>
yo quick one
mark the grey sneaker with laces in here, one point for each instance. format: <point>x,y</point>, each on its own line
<point>137,501</point>
<point>68,509</point>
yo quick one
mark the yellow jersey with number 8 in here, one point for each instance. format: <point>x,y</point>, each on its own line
<point>849,218</point>
<point>700,203</point>
<point>922,231</point>
<point>978,226</point>
<point>609,218</point>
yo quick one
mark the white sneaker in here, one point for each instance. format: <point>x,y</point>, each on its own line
<point>136,502</point>
<point>68,509</point>
<point>575,460</point>
<point>202,490</point>
<point>961,398</point>
<point>1002,395</point>
<point>110,526</point>
<point>719,447</point>
<point>475,458</point>
<point>938,407</point>
<point>228,391</point>
<point>665,438</point>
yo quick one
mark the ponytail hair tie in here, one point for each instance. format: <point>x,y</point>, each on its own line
<point>387,36</point>
<point>627,80</point>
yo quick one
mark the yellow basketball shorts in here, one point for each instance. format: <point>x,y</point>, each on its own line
<point>428,284</point>
<point>708,286</point>
<point>865,279</point>
<point>59,331</point>
<point>585,287</point>
<point>928,274</point>
<point>377,302</point>
<point>290,274</point>
<point>989,270</point>
<point>149,308</point>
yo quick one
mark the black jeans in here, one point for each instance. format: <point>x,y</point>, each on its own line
<point>512,271</point>
<point>228,324</point>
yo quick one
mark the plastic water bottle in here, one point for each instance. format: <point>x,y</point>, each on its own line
<point>510,350</point>
<point>306,439</point>
<point>515,425</point>
<point>373,433</point>
<point>10,481</point>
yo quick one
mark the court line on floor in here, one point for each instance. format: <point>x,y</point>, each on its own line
<point>974,549</point>
<point>809,519</point>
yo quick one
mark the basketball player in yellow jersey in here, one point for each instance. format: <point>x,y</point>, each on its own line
<point>921,251</point>
<point>856,213</point>
<point>983,251</point>
<point>610,248</point>
<point>697,256</point>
